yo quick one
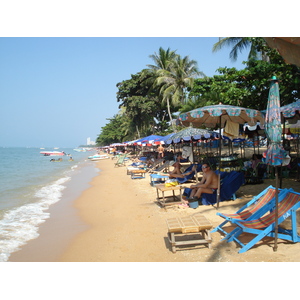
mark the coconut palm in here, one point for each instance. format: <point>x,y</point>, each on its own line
<point>174,82</point>
<point>163,59</point>
<point>239,44</point>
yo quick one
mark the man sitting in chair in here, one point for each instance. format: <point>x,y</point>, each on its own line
<point>208,184</point>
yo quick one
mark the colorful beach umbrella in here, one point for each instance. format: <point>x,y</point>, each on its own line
<point>275,153</point>
<point>290,110</point>
<point>213,115</point>
<point>151,139</point>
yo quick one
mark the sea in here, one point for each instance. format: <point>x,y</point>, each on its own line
<point>29,184</point>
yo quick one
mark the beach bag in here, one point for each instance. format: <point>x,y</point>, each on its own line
<point>171,182</point>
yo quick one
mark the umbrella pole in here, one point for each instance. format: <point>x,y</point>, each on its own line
<point>219,179</point>
<point>276,211</point>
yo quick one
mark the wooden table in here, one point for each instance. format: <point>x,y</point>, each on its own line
<point>162,188</point>
<point>192,230</point>
<point>138,174</point>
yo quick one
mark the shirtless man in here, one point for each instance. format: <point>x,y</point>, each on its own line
<point>208,184</point>
<point>160,150</point>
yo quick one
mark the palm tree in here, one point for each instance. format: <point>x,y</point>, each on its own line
<point>239,44</point>
<point>162,60</point>
<point>174,81</point>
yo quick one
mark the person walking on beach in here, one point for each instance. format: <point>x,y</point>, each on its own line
<point>160,150</point>
<point>208,184</point>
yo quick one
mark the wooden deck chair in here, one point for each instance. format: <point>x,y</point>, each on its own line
<point>120,161</point>
<point>248,210</point>
<point>265,225</point>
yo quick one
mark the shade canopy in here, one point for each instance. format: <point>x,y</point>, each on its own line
<point>189,134</point>
<point>288,47</point>
<point>149,139</point>
<point>209,116</point>
<point>291,111</point>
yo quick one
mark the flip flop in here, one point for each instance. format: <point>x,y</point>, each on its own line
<point>183,205</point>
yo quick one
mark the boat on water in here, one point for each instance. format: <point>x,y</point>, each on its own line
<point>53,153</point>
<point>79,150</point>
<point>98,157</point>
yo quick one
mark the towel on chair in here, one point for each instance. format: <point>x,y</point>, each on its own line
<point>187,153</point>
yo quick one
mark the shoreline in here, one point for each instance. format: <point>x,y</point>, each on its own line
<point>123,223</point>
<point>63,224</point>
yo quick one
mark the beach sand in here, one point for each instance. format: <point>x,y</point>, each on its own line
<point>120,221</point>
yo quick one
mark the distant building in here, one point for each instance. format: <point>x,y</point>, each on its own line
<point>89,142</point>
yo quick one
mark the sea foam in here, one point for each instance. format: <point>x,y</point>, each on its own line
<point>21,224</point>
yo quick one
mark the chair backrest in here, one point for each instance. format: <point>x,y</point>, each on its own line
<point>162,167</point>
<point>264,199</point>
<point>230,183</point>
<point>284,206</point>
<point>189,176</point>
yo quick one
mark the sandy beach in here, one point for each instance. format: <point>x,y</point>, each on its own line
<point>119,220</point>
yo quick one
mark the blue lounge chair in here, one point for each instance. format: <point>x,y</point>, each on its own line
<point>260,205</point>
<point>230,183</point>
<point>189,176</point>
<point>249,209</point>
<point>265,225</point>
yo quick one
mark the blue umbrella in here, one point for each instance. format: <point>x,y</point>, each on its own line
<point>275,152</point>
<point>163,139</point>
<point>149,139</point>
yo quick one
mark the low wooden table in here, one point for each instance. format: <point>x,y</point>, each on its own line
<point>138,174</point>
<point>162,188</point>
<point>188,227</point>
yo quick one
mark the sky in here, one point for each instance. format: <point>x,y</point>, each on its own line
<point>59,67</point>
<point>57,92</point>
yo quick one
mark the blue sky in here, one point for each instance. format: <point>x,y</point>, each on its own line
<point>60,91</point>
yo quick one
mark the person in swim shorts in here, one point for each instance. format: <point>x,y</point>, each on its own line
<point>208,184</point>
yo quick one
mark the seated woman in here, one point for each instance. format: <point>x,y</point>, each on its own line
<point>208,184</point>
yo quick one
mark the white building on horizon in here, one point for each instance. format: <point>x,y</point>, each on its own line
<point>89,142</point>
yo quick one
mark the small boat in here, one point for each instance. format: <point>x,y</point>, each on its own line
<point>79,150</point>
<point>98,157</point>
<point>53,153</point>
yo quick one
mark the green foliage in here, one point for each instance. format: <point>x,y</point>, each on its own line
<point>172,83</point>
<point>112,132</point>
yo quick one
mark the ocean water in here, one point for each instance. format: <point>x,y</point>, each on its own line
<point>29,185</point>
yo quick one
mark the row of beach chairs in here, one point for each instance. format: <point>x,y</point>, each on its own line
<point>256,218</point>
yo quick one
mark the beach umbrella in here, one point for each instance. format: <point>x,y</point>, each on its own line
<point>275,153</point>
<point>291,111</point>
<point>163,139</point>
<point>149,139</point>
<point>189,134</point>
<point>214,115</point>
